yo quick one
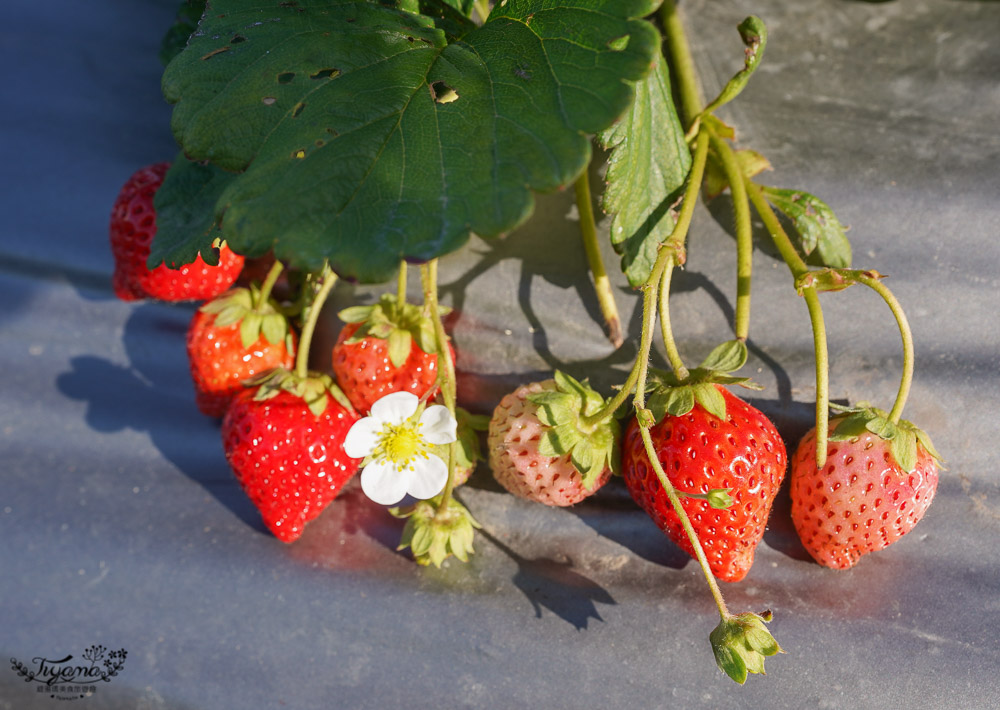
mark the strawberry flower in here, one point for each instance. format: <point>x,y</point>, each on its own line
<point>395,441</point>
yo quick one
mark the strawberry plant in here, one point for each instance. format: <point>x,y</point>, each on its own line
<point>352,138</point>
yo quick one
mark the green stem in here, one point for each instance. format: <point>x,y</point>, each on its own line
<point>681,62</point>
<point>602,284</point>
<point>446,374</point>
<point>268,285</point>
<point>673,356</point>
<point>312,316</point>
<point>401,285</point>
<point>482,9</point>
<point>798,267</point>
<point>907,336</point>
<point>744,233</point>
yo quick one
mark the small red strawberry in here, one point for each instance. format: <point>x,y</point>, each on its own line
<point>537,449</point>
<point>284,440</point>
<point>736,449</point>
<point>384,348</point>
<point>233,338</point>
<point>863,499</point>
<point>133,226</point>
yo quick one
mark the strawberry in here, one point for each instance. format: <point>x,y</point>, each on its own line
<point>133,226</point>
<point>284,439</point>
<point>863,499</point>
<point>384,348</point>
<point>537,450</point>
<point>736,449</point>
<point>233,338</point>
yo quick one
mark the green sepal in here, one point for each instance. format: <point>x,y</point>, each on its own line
<point>433,536</point>
<point>399,324</point>
<point>832,279</point>
<point>591,448</point>
<point>730,356</point>
<point>250,328</point>
<point>904,436</point>
<point>312,389</point>
<point>751,164</point>
<point>821,236</point>
<point>740,644</point>
<point>710,399</point>
<point>719,498</point>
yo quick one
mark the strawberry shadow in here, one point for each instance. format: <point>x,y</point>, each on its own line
<point>153,393</point>
<point>556,586</point>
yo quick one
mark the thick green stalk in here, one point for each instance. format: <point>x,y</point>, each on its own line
<point>446,374</point>
<point>907,336</point>
<point>312,315</point>
<point>744,232</point>
<point>401,284</point>
<point>268,285</point>
<point>798,267</point>
<point>602,284</point>
<point>681,62</point>
<point>673,356</point>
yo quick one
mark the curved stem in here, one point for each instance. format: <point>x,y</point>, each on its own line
<point>798,267</point>
<point>446,374</point>
<point>665,328</point>
<point>602,284</point>
<point>305,340</point>
<point>907,336</point>
<point>268,285</point>
<point>744,233</point>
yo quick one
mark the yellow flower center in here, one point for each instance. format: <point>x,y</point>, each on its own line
<point>400,443</point>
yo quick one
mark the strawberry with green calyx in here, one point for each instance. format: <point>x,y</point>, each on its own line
<point>389,346</point>
<point>543,448</point>
<point>741,643</point>
<point>878,482</point>
<point>433,532</point>
<point>284,439</point>
<point>236,337</point>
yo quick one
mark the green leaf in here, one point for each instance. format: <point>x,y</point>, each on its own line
<point>727,357</point>
<point>753,32</point>
<point>185,220</point>
<point>355,314</point>
<point>176,38</point>
<point>647,166</point>
<point>710,399</point>
<point>821,236</point>
<point>345,149</point>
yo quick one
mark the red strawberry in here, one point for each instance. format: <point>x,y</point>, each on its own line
<point>526,461</point>
<point>862,499</point>
<point>232,339</point>
<point>699,452</point>
<point>385,348</point>
<point>133,226</point>
<point>287,449</point>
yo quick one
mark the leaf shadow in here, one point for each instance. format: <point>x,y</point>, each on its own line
<point>556,586</point>
<point>153,394</point>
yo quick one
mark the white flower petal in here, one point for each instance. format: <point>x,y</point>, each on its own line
<point>427,478</point>
<point>395,407</point>
<point>439,426</point>
<point>383,483</point>
<point>362,437</point>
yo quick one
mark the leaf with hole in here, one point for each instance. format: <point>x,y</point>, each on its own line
<point>366,134</point>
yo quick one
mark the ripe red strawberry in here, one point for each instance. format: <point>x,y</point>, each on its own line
<point>525,461</point>
<point>700,452</point>
<point>133,226</point>
<point>232,339</point>
<point>862,500</point>
<point>287,449</point>
<point>385,348</point>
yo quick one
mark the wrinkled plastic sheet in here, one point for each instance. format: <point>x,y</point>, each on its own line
<point>123,527</point>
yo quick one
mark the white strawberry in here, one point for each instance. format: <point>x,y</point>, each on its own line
<point>537,449</point>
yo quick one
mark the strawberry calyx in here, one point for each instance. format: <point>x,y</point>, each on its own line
<point>740,644</point>
<point>670,394</point>
<point>399,323</point>
<point>312,389</point>
<point>434,534</point>
<point>257,316</point>
<point>903,436</point>
<point>592,448</point>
